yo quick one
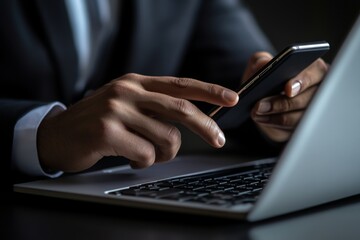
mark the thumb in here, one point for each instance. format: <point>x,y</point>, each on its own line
<point>256,61</point>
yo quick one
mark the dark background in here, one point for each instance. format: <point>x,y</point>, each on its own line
<point>288,21</point>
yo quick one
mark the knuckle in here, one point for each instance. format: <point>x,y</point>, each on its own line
<point>127,76</point>
<point>110,105</point>
<point>212,133</point>
<point>118,88</point>
<point>213,89</point>
<point>173,139</point>
<point>123,90</point>
<point>181,82</point>
<point>283,105</point>
<point>184,107</point>
<point>210,125</point>
<point>284,120</point>
<point>170,145</point>
<point>130,76</point>
<point>289,121</point>
<point>146,157</point>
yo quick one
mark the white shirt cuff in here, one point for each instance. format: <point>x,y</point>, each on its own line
<point>24,153</point>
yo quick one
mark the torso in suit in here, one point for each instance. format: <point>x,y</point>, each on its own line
<point>209,40</point>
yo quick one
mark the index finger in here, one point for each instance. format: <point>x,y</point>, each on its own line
<point>190,89</point>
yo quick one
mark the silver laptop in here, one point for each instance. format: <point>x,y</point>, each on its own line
<point>320,164</point>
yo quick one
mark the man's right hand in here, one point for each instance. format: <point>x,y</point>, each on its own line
<point>133,117</point>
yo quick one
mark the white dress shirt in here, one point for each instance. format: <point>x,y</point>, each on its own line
<point>24,153</point>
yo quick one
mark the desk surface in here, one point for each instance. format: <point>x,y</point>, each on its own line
<point>34,217</point>
<point>31,217</point>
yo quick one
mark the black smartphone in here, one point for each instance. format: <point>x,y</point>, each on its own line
<point>270,79</point>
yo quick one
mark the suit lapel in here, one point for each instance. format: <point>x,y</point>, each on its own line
<point>160,24</point>
<point>58,30</point>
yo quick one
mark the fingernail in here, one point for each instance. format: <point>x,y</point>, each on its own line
<point>264,107</point>
<point>221,139</point>
<point>295,88</point>
<point>230,96</point>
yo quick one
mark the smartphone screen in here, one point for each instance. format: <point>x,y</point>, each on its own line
<point>271,78</point>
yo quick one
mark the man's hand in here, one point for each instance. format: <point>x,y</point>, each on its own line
<point>131,116</point>
<point>277,116</point>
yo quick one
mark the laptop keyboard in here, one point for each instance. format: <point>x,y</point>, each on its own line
<point>222,188</point>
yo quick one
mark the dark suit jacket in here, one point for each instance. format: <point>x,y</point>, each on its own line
<point>210,40</point>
